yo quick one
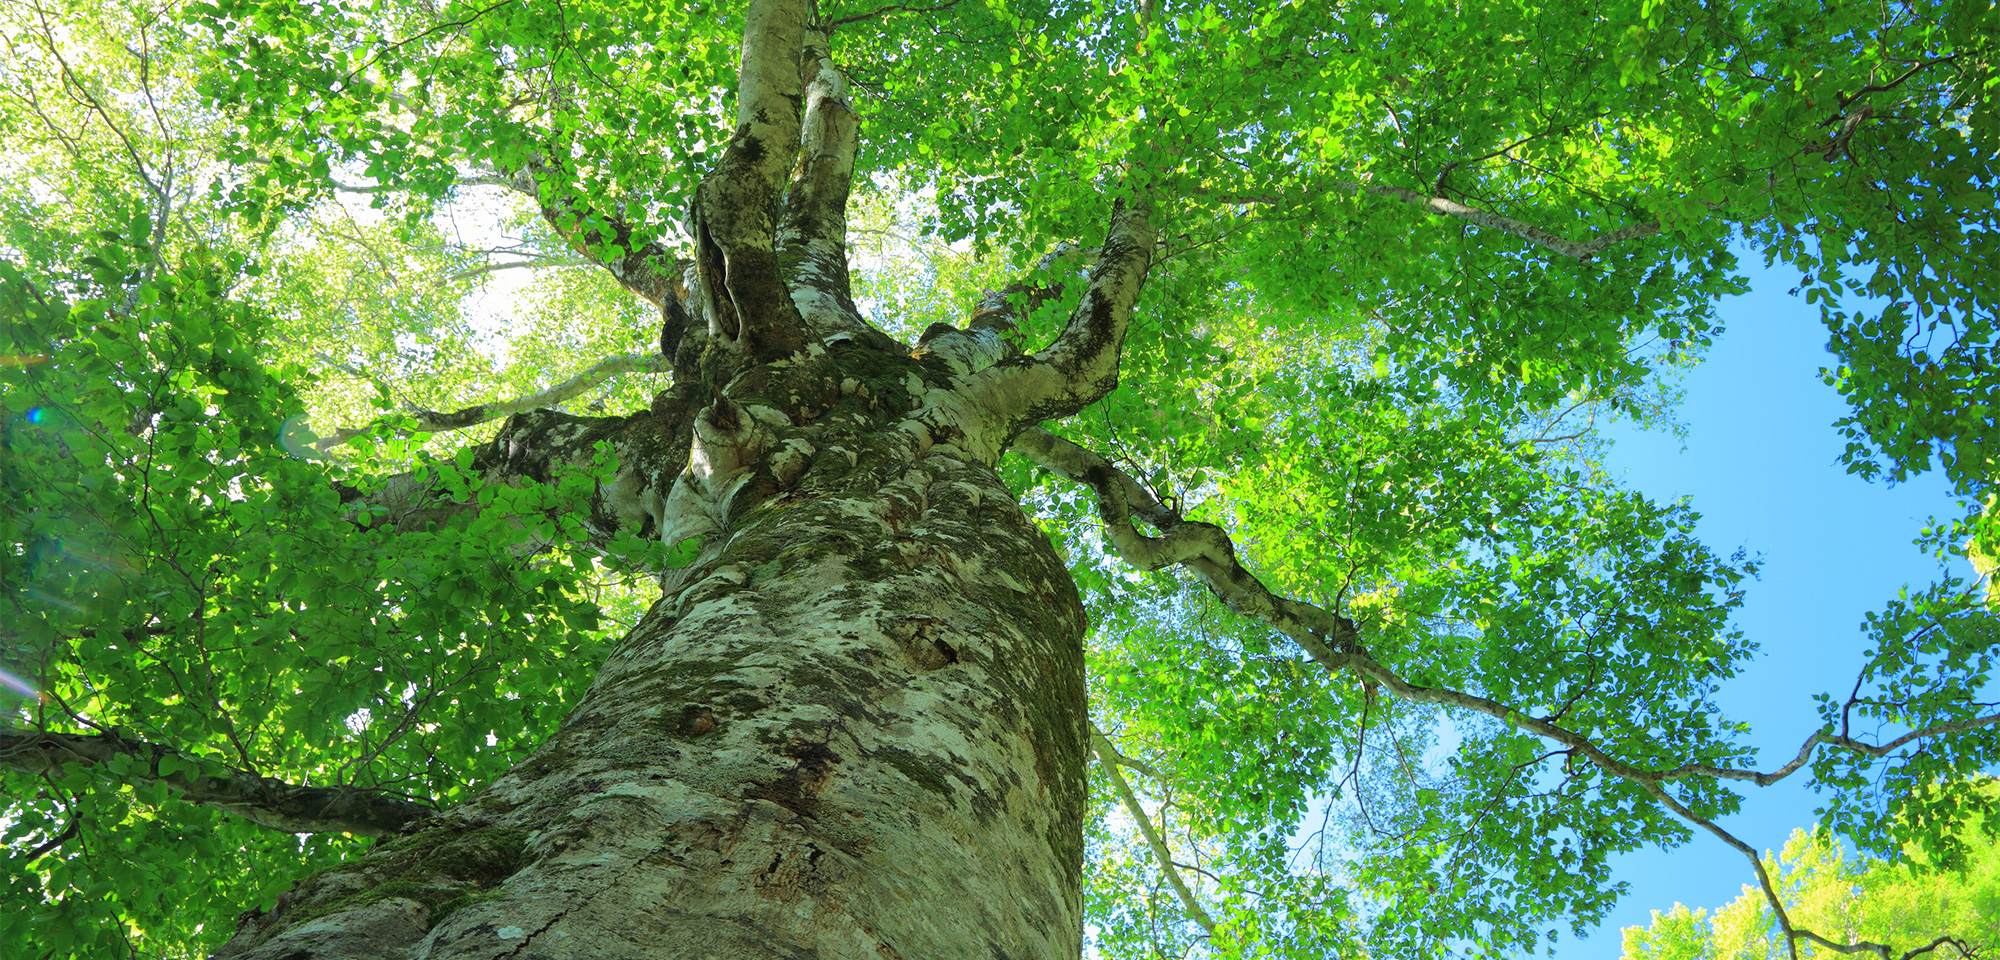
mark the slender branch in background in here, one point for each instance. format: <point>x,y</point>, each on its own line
<point>885,11</point>
<point>82,92</point>
<point>68,831</point>
<point>1141,766</point>
<point>1445,174</point>
<point>1660,793</point>
<point>1793,934</point>
<point>1333,641</point>
<point>492,268</point>
<point>1107,757</point>
<point>435,28</point>
<point>648,270</point>
<point>432,421</point>
<point>366,188</point>
<point>1546,239</point>
<point>261,800</point>
<point>159,183</point>
<point>381,386</point>
<point>411,710</point>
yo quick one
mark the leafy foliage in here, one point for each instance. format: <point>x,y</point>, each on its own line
<point>181,574</point>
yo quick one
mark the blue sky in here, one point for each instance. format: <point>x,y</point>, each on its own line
<point>1761,464</point>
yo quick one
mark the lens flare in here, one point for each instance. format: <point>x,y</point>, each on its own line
<point>296,436</point>
<point>20,686</point>
<point>100,561</point>
<point>22,359</point>
<point>57,601</point>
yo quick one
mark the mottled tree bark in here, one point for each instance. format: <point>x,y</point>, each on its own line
<point>855,725</point>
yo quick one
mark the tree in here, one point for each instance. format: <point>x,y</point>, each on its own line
<point>1869,900</point>
<point>1357,561</point>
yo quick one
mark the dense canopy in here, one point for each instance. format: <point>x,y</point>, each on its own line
<point>365,364</point>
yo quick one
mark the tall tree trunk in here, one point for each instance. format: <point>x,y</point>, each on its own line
<point>855,725</point>
<point>853,728</point>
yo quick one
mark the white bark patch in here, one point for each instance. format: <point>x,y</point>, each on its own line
<point>819,309</point>
<point>631,499</point>
<point>791,461</point>
<point>688,512</point>
<point>965,351</point>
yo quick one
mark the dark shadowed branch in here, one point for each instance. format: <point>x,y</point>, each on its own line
<point>261,800</point>
<point>435,421</point>
<point>650,447</point>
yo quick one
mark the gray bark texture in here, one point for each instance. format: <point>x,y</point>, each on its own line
<point>855,725</point>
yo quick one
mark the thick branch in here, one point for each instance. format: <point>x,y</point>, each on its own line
<point>994,332</point>
<point>1203,548</point>
<point>813,238</point>
<point>816,206</point>
<point>1086,352</point>
<point>1107,757</point>
<point>737,204</point>
<point>1208,551</point>
<point>260,800</point>
<point>1081,366</point>
<point>433,421</point>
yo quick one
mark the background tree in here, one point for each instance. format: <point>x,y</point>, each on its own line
<point>1829,888</point>
<point>1397,261</point>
